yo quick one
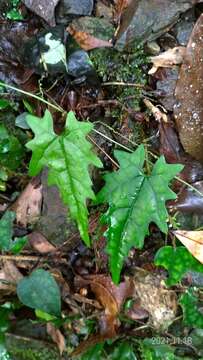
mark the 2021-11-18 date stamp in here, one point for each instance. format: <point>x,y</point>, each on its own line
<point>161,340</point>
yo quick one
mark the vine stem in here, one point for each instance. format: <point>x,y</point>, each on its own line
<point>56,107</point>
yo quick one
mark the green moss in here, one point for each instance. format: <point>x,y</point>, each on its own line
<point>33,354</point>
<point>114,66</point>
<point>14,13</point>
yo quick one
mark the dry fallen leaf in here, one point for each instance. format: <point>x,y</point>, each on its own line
<point>28,205</point>
<point>87,41</point>
<point>9,277</point>
<point>167,58</point>
<point>110,296</point>
<point>193,241</point>
<point>159,302</point>
<point>40,243</point>
<point>57,337</point>
<point>157,113</point>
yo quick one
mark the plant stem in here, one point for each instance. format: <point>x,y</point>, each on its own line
<point>56,107</point>
<point>117,83</point>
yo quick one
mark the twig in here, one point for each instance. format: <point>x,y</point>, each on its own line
<point>117,83</point>
<point>104,152</point>
<point>113,141</point>
<point>20,257</point>
<point>101,103</point>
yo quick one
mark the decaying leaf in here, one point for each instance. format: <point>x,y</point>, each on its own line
<point>110,296</point>
<point>40,243</point>
<point>189,201</point>
<point>193,241</point>
<point>9,277</point>
<point>168,58</point>
<point>57,337</point>
<point>87,41</point>
<point>189,107</point>
<point>155,298</point>
<point>28,206</point>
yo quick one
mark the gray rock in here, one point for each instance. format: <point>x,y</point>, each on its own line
<point>55,223</point>
<point>100,28</point>
<point>183,28</point>
<point>43,8</point>
<point>153,48</point>
<point>152,19</point>
<point>68,8</point>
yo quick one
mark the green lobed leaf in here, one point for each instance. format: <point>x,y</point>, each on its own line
<point>135,200</point>
<point>40,291</point>
<point>191,314</point>
<point>177,261</point>
<point>68,157</point>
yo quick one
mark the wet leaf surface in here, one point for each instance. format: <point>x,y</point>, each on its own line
<point>65,287</point>
<point>11,34</point>
<point>40,291</point>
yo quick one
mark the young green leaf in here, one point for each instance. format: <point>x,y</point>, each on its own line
<point>11,150</point>
<point>67,157</point>
<point>40,291</point>
<point>191,314</point>
<point>124,351</point>
<point>177,261</point>
<point>135,200</point>
<point>94,353</point>
<point>6,230</point>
